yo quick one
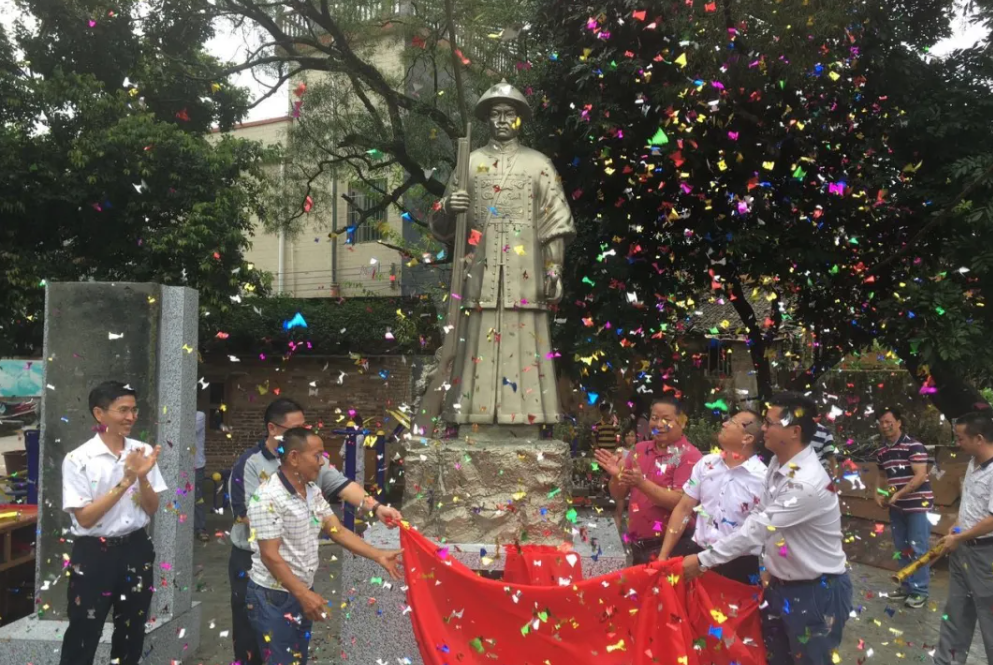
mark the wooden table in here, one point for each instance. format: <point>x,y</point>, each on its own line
<point>18,531</point>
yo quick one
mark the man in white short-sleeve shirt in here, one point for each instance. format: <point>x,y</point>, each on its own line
<point>287,515</point>
<point>722,489</point>
<point>970,541</point>
<point>110,487</point>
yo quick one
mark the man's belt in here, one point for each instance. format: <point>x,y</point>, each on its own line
<point>826,577</point>
<point>116,541</point>
<point>978,542</point>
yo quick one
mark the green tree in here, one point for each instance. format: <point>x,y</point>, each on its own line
<point>108,171</point>
<point>741,151</point>
<point>379,94</point>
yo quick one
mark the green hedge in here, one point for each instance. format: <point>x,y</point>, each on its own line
<point>334,327</point>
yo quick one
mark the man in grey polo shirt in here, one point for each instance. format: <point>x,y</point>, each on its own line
<point>970,589</point>
<point>287,515</point>
<point>255,466</point>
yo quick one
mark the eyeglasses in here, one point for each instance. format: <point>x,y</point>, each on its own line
<point>125,410</point>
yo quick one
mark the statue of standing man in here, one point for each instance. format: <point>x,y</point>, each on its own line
<point>518,226</point>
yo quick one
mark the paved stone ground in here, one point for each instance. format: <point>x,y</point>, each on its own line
<point>883,632</point>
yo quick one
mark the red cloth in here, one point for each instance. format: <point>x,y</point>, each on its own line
<point>636,616</point>
<point>541,565</point>
<point>670,468</point>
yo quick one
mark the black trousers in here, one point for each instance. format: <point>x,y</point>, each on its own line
<point>116,572</point>
<point>647,550</point>
<point>744,569</point>
<point>246,647</point>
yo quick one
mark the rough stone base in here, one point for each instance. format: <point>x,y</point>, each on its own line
<point>486,490</point>
<point>39,641</point>
<point>380,632</point>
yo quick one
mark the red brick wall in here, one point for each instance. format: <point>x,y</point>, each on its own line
<point>251,384</point>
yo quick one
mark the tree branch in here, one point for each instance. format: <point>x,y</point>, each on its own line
<point>934,221</point>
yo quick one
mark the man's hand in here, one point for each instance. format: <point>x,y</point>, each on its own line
<point>631,478</point>
<point>880,500</point>
<point>313,605</point>
<point>691,567</point>
<point>766,577</point>
<point>458,202</point>
<point>891,502</point>
<point>608,461</point>
<point>553,284</point>
<point>390,560</point>
<point>950,542</point>
<point>391,517</point>
<point>137,466</point>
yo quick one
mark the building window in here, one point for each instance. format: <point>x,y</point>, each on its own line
<point>719,359</point>
<point>362,198</point>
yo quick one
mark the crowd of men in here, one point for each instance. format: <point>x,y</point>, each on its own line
<point>764,511</point>
<point>280,492</point>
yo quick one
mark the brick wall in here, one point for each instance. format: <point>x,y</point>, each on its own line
<point>249,386</point>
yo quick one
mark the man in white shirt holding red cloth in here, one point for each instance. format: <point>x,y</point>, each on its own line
<point>722,490</point>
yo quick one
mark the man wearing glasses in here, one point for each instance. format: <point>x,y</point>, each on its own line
<point>653,475</point>
<point>797,524</point>
<point>256,465</point>
<point>725,486</point>
<point>110,487</point>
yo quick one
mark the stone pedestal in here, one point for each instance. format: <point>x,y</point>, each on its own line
<point>377,627</point>
<point>144,335</point>
<point>499,484</point>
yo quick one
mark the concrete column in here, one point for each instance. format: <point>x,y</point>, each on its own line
<point>144,335</point>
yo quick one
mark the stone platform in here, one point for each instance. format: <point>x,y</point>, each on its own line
<point>377,628</point>
<point>487,487</point>
<point>39,642</point>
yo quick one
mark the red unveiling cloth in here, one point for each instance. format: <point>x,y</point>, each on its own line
<point>541,565</point>
<point>644,615</point>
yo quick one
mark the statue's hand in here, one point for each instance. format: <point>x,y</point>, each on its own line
<point>553,284</point>
<point>457,202</point>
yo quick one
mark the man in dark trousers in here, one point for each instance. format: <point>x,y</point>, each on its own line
<point>902,485</point>
<point>970,541</point>
<point>255,466</point>
<point>110,487</point>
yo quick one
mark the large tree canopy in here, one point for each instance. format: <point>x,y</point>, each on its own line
<point>808,154</point>
<point>106,168</point>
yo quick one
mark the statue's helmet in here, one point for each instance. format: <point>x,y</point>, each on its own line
<point>504,93</point>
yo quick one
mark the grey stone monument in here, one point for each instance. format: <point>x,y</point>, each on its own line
<point>145,335</point>
<point>497,482</point>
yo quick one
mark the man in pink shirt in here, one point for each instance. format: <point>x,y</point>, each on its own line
<point>651,477</point>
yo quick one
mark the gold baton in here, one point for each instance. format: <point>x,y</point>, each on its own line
<point>929,557</point>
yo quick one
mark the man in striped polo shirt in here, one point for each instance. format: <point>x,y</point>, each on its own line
<point>827,452</point>
<point>902,485</point>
